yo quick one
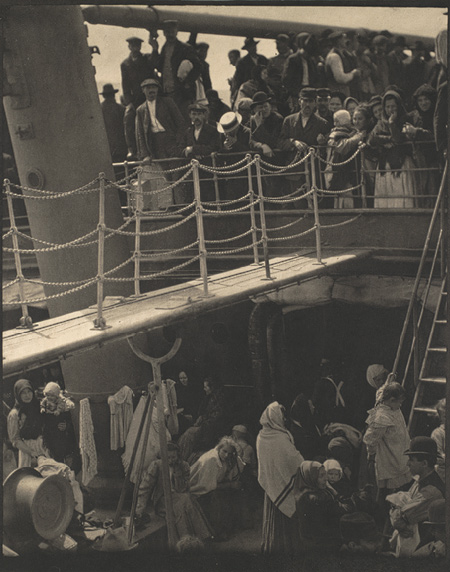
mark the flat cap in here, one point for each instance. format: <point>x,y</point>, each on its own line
<point>150,81</point>
<point>308,93</point>
<point>134,40</point>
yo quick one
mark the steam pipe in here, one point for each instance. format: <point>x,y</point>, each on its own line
<point>152,18</point>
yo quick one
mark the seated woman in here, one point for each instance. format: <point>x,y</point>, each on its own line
<point>318,509</point>
<point>25,425</point>
<point>216,481</point>
<point>189,518</point>
<point>395,185</point>
<point>209,425</point>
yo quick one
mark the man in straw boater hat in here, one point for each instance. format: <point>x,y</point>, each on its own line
<point>134,69</point>
<point>426,488</point>
<point>235,138</point>
<point>245,65</point>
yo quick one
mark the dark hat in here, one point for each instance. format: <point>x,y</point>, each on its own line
<point>108,89</point>
<point>150,81</point>
<point>229,121</point>
<point>134,40</point>
<point>358,526</point>
<point>323,92</point>
<point>169,24</point>
<point>282,38</point>
<point>380,40</point>
<point>212,94</point>
<point>335,36</point>
<point>273,72</point>
<point>198,106</point>
<point>422,446</point>
<point>259,98</point>
<point>375,100</point>
<point>248,43</point>
<point>418,45</point>
<point>436,512</point>
<point>400,41</point>
<point>308,93</point>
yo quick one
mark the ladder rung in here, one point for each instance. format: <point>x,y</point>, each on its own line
<point>440,380</point>
<point>425,410</point>
<point>440,349</point>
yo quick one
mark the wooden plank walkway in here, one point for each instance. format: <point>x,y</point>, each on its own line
<point>61,337</point>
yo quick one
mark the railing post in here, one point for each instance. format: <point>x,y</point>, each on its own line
<point>363,180</point>
<point>129,198</point>
<point>99,322</point>
<point>252,209</point>
<point>216,180</point>
<point>262,215</point>
<point>25,321</point>
<point>316,208</point>
<point>200,229</point>
<point>139,202</point>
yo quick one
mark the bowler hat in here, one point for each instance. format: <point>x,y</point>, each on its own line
<point>150,81</point>
<point>259,98</point>
<point>308,93</point>
<point>248,43</point>
<point>197,106</point>
<point>400,41</point>
<point>358,526</point>
<point>436,512</point>
<point>212,95</point>
<point>108,89</point>
<point>323,92</point>
<point>422,446</point>
<point>134,40</point>
<point>229,121</point>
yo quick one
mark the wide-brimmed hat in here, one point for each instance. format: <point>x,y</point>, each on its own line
<point>134,40</point>
<point>108,89</point>
<point>248,43</point>
<point>358,526</point>
<point>436,513</point>
<point>150,81</point>
<point>422,446</point>
<point>229,121</point>
<point>259,98</point>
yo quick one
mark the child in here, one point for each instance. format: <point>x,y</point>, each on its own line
<point>387,439</point>
<point>247,454</point>
<point>438,435</point>
<point>54,401</point>
<point>337,479</point>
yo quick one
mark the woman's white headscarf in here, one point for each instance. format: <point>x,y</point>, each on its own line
<point>278,459</point>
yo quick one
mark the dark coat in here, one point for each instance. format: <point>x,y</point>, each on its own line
<point>133,74</point>
<point>208,141</point>
<point>244,69</point>
<point>293,73</point>
<point>168,114</point>
<point>184,90</point>
<point>268,132</point>
<point>113,114</point>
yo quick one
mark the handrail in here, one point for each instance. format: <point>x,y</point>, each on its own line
<point>420,269</point>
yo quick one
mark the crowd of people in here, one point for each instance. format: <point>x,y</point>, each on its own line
<point>319,483</point>
<point>336,91</point>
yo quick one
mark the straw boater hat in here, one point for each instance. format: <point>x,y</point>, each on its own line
<point>229,121</point>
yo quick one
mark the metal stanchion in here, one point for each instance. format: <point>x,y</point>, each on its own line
<point>262,215</point>
<point>316,208</point>
<point>99,322</point>
<point>216,180</point>
<point>363,181</point>
<point>25,321</point>
<point>200,229</point>
<point>139,202</point>
<point>252,209</point>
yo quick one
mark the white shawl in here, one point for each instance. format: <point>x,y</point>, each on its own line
<point>278,459</point>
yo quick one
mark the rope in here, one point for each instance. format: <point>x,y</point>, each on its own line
<point>235,250</point>
<point>226,203</point>
<point>304,233</point>
<point>163,214</point>
<point>167,171</point>
<point>167,252</point>
<point>74,283</point>
<point>33,190</point>
<point>226,167</point>
<point>221,169</point>
<point>341,223</point>
<point>4,287</point>
<point>286,167</point>
<point>152,232</point>
<point>156,274</point>
<point>157,191</point>
<point>272,200</point>
<point>53,297</point>
<point>9,233</point>
<point>80,191</point>
<point>277,228</point>
<point>326,192</point>
<point>231,211</point>
<point>341,163</point>
<point>229,239</point>
<point>55,247</point>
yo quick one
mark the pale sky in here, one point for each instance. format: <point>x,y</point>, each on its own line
<point>113,47</point>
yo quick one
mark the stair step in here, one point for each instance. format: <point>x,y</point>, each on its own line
<point>440,380</point>
<point>429,410</point>
<point>440,349</point>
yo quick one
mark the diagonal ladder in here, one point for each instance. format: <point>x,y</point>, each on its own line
<point>432,377</point>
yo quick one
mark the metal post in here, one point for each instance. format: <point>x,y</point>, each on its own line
<point>99,322</point>
<point>363,181</point>
<point>216,180</point>
<point>415,321</point>
<point>262,215</point>
<point>316,208</point>
<point>200,229</point>
<point>127,172</point>
<point>139,201</point>
<point>252,209</point>
<point>25,320</point>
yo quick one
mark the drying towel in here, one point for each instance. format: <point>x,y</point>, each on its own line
<point>87,443</point>
<point>121,410</point>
